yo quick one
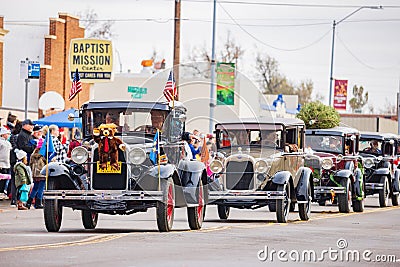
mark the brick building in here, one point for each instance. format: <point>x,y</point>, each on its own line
<point>52,51</point>
<point>54,74</point>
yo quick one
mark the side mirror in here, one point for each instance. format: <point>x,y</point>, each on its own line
<point>353,137</point>
<point>391,141</point>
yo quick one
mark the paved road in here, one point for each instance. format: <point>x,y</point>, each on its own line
<point>246,239</point>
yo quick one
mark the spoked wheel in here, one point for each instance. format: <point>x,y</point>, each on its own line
<point>166,208</point>
<point>283,205</point>
<point>52,211</point>
<point>305,208</point>
<point>223,211</point>
<point>89,219</point>
<point>196,214</point>
<point>344,200</point>
<point>384,193</point>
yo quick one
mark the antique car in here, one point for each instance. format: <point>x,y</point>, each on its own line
<point>150,167</point>
<point>337,167</point>
<point>262,165</point>
<point>380,164</point>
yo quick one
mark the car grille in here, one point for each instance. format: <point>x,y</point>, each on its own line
<point>312,163</point>
<point>109,181</point>
<point>239,175</point>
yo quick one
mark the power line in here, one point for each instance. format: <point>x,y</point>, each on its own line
<point>286,4</point>
<point>271,46</point>
<point>359,60</point>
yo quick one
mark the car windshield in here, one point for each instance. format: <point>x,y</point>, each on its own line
<point>324,143</point>
<point>371,146</point>
<point>128,121</point>
<point>243,137</point>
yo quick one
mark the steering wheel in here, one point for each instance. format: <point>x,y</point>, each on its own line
<point>145,128</point>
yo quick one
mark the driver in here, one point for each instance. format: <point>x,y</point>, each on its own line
<point>157,118</point>
<point>374,147</point>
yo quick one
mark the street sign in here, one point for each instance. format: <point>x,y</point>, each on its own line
<point>137,92</point>
<point>29,69</point>
<point>33,71</point>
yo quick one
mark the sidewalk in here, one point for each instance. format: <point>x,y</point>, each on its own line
<point>5,205</point>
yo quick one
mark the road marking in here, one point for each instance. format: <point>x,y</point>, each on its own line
<point>109,237</point>
<point>87,241</point>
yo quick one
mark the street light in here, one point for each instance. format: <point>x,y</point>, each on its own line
<point>333,44</point>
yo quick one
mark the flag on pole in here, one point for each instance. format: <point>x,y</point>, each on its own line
<point>47,150</point>
<point>155,149</point>
<point>76,86</point>
<point>170,91</point>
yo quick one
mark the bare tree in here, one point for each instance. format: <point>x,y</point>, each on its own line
<point>93,26</point>
<point>389,107</point>
<point>231,53</point>
<point>360,99</point>
<point>304,91</point>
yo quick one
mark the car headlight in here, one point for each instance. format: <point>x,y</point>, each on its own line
<point>79,155</point>
<point>327,164</point>
<point>369,163</point>
<point>339,157</point>
<point>137,155</point>
<point>216,166</point>
<point>261,166</point>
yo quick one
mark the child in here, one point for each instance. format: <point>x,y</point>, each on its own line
<point>22,175</point>
<point>36,164</point>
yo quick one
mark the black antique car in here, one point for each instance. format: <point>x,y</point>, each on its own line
<point>337,167</point>
<point>169,182</point>
<point>262,164</point>
<point>381,174</point>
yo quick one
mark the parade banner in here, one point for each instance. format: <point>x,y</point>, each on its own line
<point>93,58</point>
<point>340,94</point>
<point>225,83</point>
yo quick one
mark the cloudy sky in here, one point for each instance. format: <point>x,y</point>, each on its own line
<point>297,33</point>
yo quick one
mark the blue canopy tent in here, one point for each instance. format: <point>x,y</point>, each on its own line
<point>61,119</point>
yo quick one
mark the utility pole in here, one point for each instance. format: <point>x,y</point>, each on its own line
<point>177,43</point>
<point>212,85</point>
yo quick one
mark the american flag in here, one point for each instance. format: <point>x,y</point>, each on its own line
<point>170,91</point>
<point>76,86</point>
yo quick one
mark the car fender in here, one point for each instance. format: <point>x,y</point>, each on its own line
<point>303,183</point>
<point>343,174</point>
<point>382,172</point>
<point>281,177</point>
<point>166,171</point>
<point>395,181</point>
<point>358,183</point>
<point>54,169</point>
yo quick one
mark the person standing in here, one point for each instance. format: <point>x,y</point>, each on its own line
<point>5,148</point>
<point>22,175</point>
<point>13,159</point>
<point>59,148</point>
<point>25,138</point>
<point>36,164</point>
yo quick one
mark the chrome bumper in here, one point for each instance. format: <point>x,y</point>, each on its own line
<point>104,195</point>
<point>329,190</point>
<point>246,195</point>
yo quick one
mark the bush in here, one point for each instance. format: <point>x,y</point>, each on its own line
<point>318,116</point>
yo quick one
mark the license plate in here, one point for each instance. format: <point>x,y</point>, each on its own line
<point>108,169</point>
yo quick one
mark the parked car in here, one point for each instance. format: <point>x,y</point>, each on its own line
<point>262,164</point>
<point>135,183</point>
<point>337,167</point>
<point>380,162</point>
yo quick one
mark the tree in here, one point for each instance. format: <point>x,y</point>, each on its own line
<point>231,53</point>
<point>269,78</point>
<point>304,91</point>
<point>93,27</point>
<point>318,116</point>
<point>359,100</point>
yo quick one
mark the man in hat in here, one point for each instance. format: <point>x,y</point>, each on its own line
<point>5,148</point>
<point>25,136</point>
